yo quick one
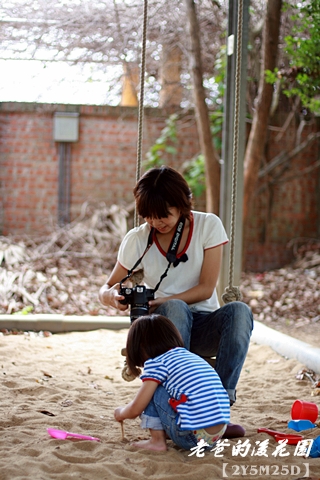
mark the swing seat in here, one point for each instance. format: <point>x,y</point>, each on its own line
<point>210,360</point>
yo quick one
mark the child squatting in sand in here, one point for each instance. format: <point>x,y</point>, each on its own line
<point>181,395</point>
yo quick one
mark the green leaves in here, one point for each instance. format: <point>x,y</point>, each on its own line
<point>194,173</point>
<point>165,144</point>
<point>302,48</point>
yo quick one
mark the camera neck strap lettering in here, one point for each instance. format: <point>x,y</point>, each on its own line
<point>172,254</point>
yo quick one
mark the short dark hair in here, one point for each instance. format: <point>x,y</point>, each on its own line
<point>158,190</point>
<point>148,337</point>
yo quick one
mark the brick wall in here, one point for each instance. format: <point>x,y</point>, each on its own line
<point>28,174</point>
<point>103,168</point>
<point>103,161</point>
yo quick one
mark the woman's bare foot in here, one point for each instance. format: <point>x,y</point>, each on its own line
<point>157,442</point>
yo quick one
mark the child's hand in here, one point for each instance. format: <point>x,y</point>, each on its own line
<point>118,414</point>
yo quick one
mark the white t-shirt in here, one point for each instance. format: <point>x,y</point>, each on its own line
<point>206,231</point>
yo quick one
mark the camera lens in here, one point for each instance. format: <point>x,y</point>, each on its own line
<point>138,311</point>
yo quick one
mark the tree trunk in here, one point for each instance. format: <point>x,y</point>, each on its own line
<point>258,133</point>
<point>130,82</point>
<point>202,114</point>
<point>171,88</point>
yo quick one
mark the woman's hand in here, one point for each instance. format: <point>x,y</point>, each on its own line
<point>109,293</point>
<point>110,296</point>
<point>153,304</point>
<point>116,297</point>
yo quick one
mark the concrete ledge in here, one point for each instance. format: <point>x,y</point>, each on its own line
<point>287,346</point>
<point>62,323</point>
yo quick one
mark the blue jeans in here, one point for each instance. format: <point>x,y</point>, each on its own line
<point>159,415</point>
<point>224,333</point>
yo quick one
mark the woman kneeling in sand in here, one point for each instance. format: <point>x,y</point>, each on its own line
<point>181,395</point>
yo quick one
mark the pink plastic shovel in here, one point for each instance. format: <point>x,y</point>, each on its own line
<point>62,435</point>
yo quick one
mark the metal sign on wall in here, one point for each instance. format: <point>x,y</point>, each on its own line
<point>66,127</point>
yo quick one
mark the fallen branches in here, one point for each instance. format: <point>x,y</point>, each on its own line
<point>290,295</point>
<point>62,272</point>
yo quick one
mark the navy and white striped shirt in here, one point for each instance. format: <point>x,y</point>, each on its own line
<point>182,372</point>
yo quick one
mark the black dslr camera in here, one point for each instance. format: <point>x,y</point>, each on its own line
<point>138,297</point>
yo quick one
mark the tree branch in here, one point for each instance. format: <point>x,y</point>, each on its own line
<point>284,157</point>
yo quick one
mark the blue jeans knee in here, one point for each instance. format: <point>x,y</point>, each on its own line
<point>225,333</point>
<point>180,315</point>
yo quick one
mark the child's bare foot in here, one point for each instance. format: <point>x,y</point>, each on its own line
<point>151,444</point>
<point>157,442</point>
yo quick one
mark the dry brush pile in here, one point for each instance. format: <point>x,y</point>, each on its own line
<point>289,295</point>
<point>63,271</point>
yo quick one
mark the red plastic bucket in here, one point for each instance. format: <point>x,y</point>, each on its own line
<point>304,411</point>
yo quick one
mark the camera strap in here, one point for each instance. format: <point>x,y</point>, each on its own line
<point>171,255</point>
<point>149,243</point>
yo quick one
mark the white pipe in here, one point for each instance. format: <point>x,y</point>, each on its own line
<point>57,323</point>
<point>287,346</point>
